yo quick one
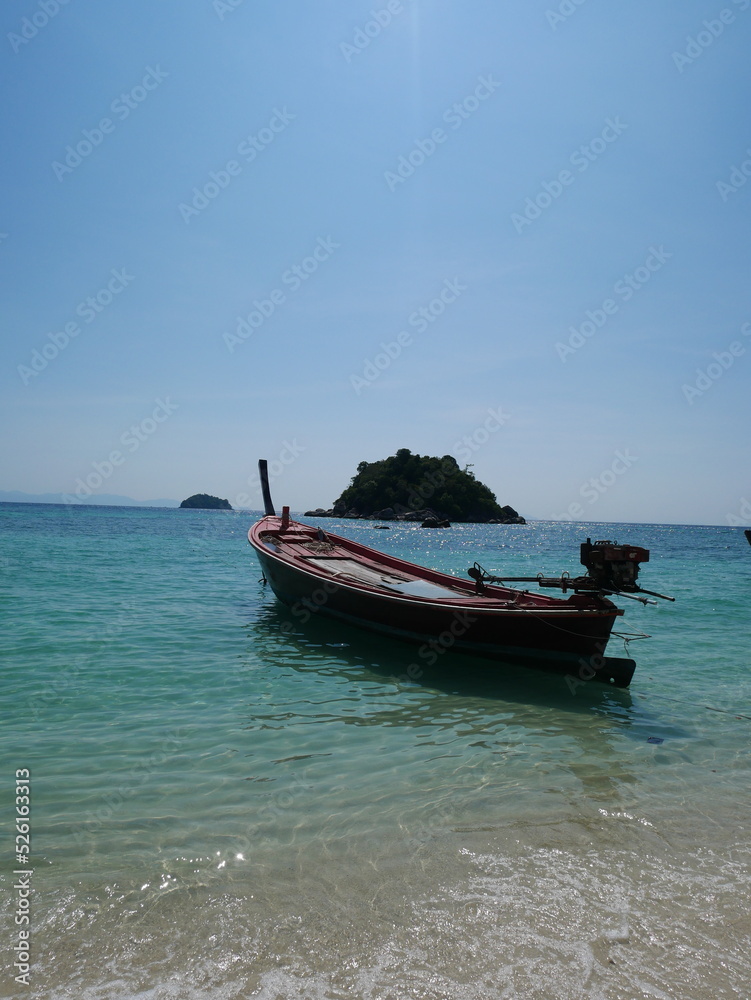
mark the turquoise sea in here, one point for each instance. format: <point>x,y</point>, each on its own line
<point>220,809</point>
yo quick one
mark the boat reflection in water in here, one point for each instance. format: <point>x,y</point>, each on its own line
<point>459,728</point>
<point>345,651</point>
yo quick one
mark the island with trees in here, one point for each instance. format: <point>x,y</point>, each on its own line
<point>407,487</point>
<point>202,501</point>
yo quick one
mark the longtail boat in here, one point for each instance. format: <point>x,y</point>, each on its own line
<point>315,571</point>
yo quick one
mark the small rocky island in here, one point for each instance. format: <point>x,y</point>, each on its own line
<point>202,501</point>
<point>407,487</point>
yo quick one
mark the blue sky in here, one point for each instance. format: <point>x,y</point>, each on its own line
<point>260,198</point>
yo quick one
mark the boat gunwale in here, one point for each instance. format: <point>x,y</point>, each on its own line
<point>558,607</point>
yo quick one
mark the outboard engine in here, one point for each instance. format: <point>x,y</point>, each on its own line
<point>611,569</point>
<point>611,566</point>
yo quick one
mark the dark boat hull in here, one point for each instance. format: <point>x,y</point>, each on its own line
<point>568,636</point>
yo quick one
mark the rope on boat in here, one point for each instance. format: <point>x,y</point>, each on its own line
<point>626,636</point>
<point>560,628</point>
<point>630,637</point>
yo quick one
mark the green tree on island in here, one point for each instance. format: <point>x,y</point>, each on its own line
<point>407,482</point>
<point>204,501</point>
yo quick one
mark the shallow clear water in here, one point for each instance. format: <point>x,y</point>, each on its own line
<point>221,809</point>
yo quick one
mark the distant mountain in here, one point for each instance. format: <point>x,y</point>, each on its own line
<point>102,499</point>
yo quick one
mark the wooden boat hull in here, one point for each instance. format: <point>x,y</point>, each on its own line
<point>341,579</point>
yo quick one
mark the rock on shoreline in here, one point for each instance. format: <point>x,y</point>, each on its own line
<point>425,514</point>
